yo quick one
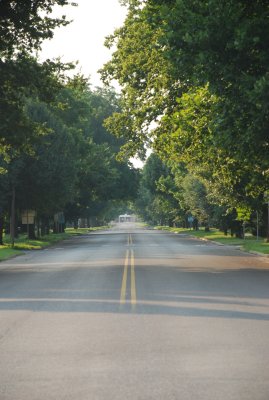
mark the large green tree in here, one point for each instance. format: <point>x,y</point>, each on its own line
<point>148,88</point>
<point>22,79</point>
<point>222,47</point>
<point>23,27</point>
<point>202,77</point>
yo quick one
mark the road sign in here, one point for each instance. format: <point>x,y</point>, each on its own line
<point>28,217</point>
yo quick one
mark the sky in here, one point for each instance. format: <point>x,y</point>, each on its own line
<point>83,39</point>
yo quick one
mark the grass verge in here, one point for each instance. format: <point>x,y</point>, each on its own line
<point>250,243</point>
<point>6,252</point>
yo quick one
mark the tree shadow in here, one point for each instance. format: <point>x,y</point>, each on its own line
<point>161,290</point>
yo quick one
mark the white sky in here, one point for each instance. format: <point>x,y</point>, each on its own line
<point>83,39</point>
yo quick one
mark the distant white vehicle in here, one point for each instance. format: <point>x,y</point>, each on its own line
<point>127,218</point>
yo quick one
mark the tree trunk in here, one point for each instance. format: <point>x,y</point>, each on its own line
<point>195,224</point>
<point>207,229</point>
<point>16,228</point>
<point>55,227</point>
<point>1,229</point>
<point>12,218</point>
<point>43,227</point>
<point>38,228</point>
<point>31,231</point>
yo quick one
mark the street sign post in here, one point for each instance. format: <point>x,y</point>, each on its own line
<point>190,220</point>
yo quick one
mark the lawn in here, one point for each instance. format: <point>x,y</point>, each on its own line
<point>6,252</point>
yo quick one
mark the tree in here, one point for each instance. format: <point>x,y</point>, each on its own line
<point>138,64</point>
<point>224,47</point>
<point>54,147</point>
<point>22,28</point>
<point>155,201</point>
<point>210,96</point>
<point>101,178</point>
<point>195,199</point>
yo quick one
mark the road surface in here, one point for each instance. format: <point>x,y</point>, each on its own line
<point>134,314</point>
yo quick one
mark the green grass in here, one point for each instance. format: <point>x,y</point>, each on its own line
<point>6,252</point>
<point>83,231</point>
<point>250,243</point>
<point>259,246</point>
<point>23,243</point>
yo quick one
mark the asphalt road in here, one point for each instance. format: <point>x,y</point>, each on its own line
<point>133,314</point>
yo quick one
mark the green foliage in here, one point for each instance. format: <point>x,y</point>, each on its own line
<point>142,71</point>
<point>54,150</point>
<point>209,99</point>
<point>22,80</point>
<point>22,29</point>
<point>195,199</point>
<point>101,179</point>
<point>25,24</point>
<point>46,179</point>
<point>243,214</point>
<point>156,202</point>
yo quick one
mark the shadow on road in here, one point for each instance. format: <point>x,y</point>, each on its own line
<point>233,294</point>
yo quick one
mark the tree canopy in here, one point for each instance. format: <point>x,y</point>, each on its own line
<point>55,154</point>
<point>195,87</point>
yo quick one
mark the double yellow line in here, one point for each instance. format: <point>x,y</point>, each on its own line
<point>129,240</point>
<point>129,261</point>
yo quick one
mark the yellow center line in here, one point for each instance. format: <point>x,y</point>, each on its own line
<point>129,240</point>
<point>133,286</point>
<point>124,279</point>
<point>129,260</point>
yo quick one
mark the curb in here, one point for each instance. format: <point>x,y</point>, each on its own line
<point>238,247</point>
<point>259,254</point>
<point>211,241</point>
